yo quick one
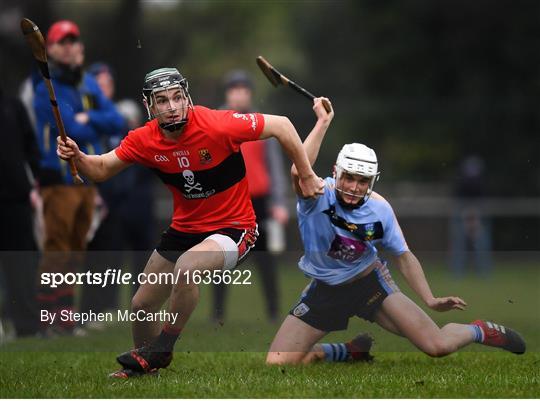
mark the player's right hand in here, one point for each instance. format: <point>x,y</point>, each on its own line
<point>444,304</point>
<point>311,186</point>
<point>320,111</point>
<point>67,150</point>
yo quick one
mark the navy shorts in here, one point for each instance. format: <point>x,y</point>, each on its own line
<point>329,307</point>
<point>174,243</point>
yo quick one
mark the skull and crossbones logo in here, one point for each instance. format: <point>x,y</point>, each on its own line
<point>190,184</point>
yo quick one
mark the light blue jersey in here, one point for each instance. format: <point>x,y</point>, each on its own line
<point>340,243</point>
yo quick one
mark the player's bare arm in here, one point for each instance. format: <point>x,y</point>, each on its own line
<point>411,269</point>
<point>282,129</point>
<point>313,142</point>
<point>96,167</point>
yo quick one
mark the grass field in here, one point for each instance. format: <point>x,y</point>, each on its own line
<point>215,361</point>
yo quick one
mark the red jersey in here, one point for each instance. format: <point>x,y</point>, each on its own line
<point>204,169</point>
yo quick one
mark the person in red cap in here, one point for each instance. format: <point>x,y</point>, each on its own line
<point>87,115</point>
<point>64,45</point>
<point>61,29</point>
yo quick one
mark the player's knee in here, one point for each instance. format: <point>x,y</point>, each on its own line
<point>437,348</point>
<point>139,303</point>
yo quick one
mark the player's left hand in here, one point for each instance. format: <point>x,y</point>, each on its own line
<point>311,186</point>
<point>444,304</point>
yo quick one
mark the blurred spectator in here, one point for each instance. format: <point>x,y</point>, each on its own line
<point>470,228</point>
<point>18,253</point>
<point>26,94</point>
<point>267,186</point>
<point>68,208</point>
<point>128,215</point>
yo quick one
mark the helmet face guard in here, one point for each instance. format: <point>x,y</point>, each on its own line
<point>166,80</point>
<point>356,159</point>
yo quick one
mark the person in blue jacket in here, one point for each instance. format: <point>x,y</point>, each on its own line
<point>87,115</point>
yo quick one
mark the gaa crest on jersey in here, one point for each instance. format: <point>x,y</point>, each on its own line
<point>204,156</point>
<point>300,310</point>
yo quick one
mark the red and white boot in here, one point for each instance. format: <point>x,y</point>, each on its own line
<point>497,335</point>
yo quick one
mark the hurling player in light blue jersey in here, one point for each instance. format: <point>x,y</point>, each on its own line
<point>340,230</point>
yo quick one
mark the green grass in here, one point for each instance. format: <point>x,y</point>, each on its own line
<point>233,375</point>
<point>214,361</point>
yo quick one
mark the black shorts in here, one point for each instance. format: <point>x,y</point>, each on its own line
<point>174,243</point>
<point>329,307</point>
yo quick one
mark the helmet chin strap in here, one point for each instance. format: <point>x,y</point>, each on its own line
<point>172,127</point>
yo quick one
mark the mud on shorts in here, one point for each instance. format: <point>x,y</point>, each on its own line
<point>329,307</point>
<point>235,243</point>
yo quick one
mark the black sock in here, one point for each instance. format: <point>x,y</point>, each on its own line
<point>166,339</point>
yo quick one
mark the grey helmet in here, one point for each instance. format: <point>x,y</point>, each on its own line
<point>164,79</point>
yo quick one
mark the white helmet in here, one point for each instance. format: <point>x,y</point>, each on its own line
<point>355,158</point>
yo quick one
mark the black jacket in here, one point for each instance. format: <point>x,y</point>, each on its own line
<point>18,151</point>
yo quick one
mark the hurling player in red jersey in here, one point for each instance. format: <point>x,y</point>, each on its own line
<point>196,153</point>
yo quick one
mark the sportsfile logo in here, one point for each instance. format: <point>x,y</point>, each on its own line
<point>119,277</point>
